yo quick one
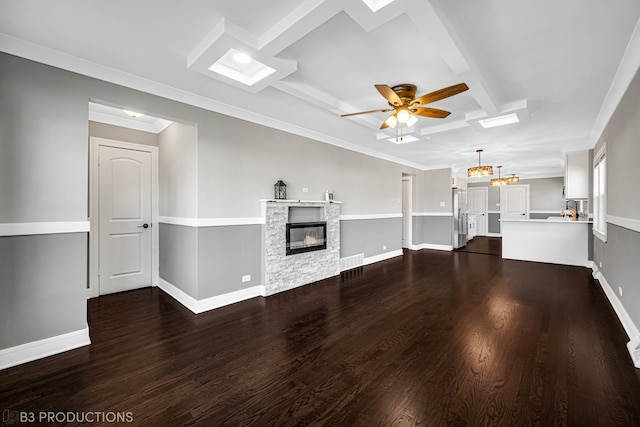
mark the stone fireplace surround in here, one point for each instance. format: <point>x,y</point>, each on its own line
<point>282,272</point>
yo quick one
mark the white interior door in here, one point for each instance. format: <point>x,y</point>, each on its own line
<point>125,212</point>
<point>514,202</point>
<point>406,212</point>
<point>477,205</point>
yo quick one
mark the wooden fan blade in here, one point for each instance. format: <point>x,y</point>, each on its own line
<point>430,112</point>
<point>384,110</point>
<point>440,94</point>
<point>384,125</point>
<point>389,95</point>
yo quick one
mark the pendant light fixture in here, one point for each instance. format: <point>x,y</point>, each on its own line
<point>513,178</point>
<point>479,170</point>
<point>499,180</point>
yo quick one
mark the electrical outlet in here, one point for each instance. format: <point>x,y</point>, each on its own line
<point>620,290</point>
<point>384,248</point>
<point>600,264</point>
<point>305,190</point>
<point>442,204</point>
<point>246,278</point>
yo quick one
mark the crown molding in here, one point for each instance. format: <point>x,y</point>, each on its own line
<point>625,73</point>
<point>55,58</point>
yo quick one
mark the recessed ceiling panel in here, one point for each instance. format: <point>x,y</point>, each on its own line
<point>345,61</point>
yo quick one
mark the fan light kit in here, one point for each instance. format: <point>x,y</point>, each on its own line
<point>479,170</point>
<point>405,106</point>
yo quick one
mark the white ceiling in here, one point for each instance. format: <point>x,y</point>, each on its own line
<point>561,66</point>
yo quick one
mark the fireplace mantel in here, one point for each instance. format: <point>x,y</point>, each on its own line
<point>282,272</point>
<point>299,201</point>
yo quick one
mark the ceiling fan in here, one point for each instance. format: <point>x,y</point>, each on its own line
<point>406,106</point>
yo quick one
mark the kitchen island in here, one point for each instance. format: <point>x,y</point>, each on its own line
<point>553,240</point>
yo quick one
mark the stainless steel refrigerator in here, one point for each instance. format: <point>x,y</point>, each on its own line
<point>459,232</point>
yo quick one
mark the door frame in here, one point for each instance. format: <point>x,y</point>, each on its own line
<point>408,231</point>
<point>485,217</point>
<point>94,218</point>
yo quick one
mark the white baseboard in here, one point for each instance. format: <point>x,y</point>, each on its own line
<point>493,235</point>
<point>431,246</point>
<point>42,348</point>
<point>200,306</point>
<point>382,257</point>
<point>633,346</point>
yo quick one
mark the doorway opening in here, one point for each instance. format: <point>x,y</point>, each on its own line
<point>407,212</point>
<point>123,213</point>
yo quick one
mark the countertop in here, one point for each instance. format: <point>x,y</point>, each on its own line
<point>551,219</point>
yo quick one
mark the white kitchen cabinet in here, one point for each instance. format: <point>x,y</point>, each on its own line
<point>576,175</point>
<point>471,227</point>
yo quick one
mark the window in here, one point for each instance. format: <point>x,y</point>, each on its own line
<point>600,194</point>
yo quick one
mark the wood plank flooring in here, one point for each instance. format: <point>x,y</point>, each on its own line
<point>428,339</point>
<point>484,245</point>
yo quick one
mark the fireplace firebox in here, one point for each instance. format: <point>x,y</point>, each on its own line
<point>306,237</point>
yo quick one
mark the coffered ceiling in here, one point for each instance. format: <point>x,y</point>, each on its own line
<point>560,66</point>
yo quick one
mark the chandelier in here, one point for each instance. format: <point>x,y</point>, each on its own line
<point>480,170</point>
<point>499,180</point>
<point>513,178</point>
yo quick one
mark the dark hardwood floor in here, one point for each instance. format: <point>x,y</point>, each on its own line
<point>431,339</point>
<point>484,245</point>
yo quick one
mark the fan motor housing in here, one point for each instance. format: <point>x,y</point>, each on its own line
<point>406,92</point>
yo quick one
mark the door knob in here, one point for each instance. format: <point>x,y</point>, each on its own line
<point>143,226</point>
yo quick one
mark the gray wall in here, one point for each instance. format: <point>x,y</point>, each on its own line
<point>618,255</point>
<point>432,187</point>
<point>368,236</point>
<point>117,133</point>
<point>179,257</point>
<point>493,221</point>
<point>43,160</point>
<point>225,254</point>
<point>545,194</point>
<point>239,162</point>
<point>42,287</point>
<point>44,177</point>
<point>432,230</point>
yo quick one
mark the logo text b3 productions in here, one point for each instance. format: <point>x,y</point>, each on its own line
<point>10,417</point>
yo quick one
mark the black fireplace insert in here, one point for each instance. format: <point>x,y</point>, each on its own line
<point>306,237</point>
